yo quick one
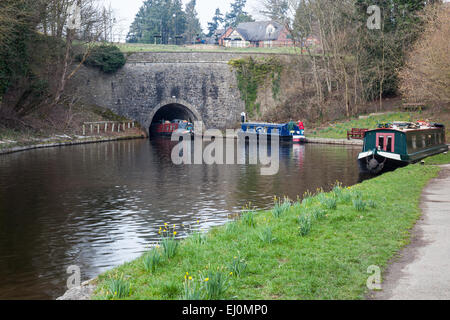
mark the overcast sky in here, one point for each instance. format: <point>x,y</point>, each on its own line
<point>126,10</point>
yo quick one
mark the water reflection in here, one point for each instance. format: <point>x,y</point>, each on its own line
<point>99,205</point>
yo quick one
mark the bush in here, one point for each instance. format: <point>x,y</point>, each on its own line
<point>107,58</point>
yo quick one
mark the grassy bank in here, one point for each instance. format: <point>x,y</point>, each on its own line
<point>138,47</point>
<point>320,248</point>
<point>338,129</point>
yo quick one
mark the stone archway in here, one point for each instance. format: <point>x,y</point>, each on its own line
<point>172,109</point>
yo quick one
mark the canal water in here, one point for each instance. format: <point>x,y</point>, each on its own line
<point>99,205</point>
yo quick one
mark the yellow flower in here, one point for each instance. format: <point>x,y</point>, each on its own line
<point>207,279</point>
<point>190,278</point>
<point>231,273</point>
<point>175,233</point>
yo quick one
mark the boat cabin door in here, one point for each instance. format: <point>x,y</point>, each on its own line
<point>385,141</point>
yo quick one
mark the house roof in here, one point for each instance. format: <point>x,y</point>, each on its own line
<point>260,31</point>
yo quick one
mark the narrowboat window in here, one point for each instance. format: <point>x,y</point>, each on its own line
<point>389,144</point>
<point>424,141</point>
<point>435,138</point>
<point>381,142</point>
<point>414,142</point>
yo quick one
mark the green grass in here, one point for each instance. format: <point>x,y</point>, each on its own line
<point>338,130</point>
<point>133,48</point>
<point>330,261</point>
<point>443,158</point>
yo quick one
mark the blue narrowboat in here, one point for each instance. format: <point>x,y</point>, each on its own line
<point>399,144</point>
<point>292,132</point>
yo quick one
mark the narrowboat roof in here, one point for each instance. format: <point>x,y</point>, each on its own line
<point>264,124</point>
<point>410,127</point>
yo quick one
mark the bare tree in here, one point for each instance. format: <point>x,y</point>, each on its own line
<point>426,76</point>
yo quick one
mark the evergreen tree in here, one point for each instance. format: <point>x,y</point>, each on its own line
<point>193,27</point>
<point>158,21</point>
<point>237,14</point>
<point>217,20</point>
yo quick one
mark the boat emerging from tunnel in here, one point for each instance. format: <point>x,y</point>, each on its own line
<point>167,128</point>
<point>172,118</point>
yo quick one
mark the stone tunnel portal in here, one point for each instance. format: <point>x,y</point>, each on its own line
<point>170,112</point>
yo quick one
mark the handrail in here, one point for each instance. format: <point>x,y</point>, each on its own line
<point>114,128</point>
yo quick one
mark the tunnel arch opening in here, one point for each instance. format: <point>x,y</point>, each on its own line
<point>171,113</point>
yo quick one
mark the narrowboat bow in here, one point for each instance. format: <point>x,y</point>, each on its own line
<point>396,145</point>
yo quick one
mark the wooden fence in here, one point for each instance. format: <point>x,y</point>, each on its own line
<point>107,126</point>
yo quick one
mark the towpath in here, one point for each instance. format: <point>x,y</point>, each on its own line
<point>422,272</point>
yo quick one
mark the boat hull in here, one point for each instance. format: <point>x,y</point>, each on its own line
<point>382,164</point>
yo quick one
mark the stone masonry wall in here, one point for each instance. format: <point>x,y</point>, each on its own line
<point>203,82</point>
